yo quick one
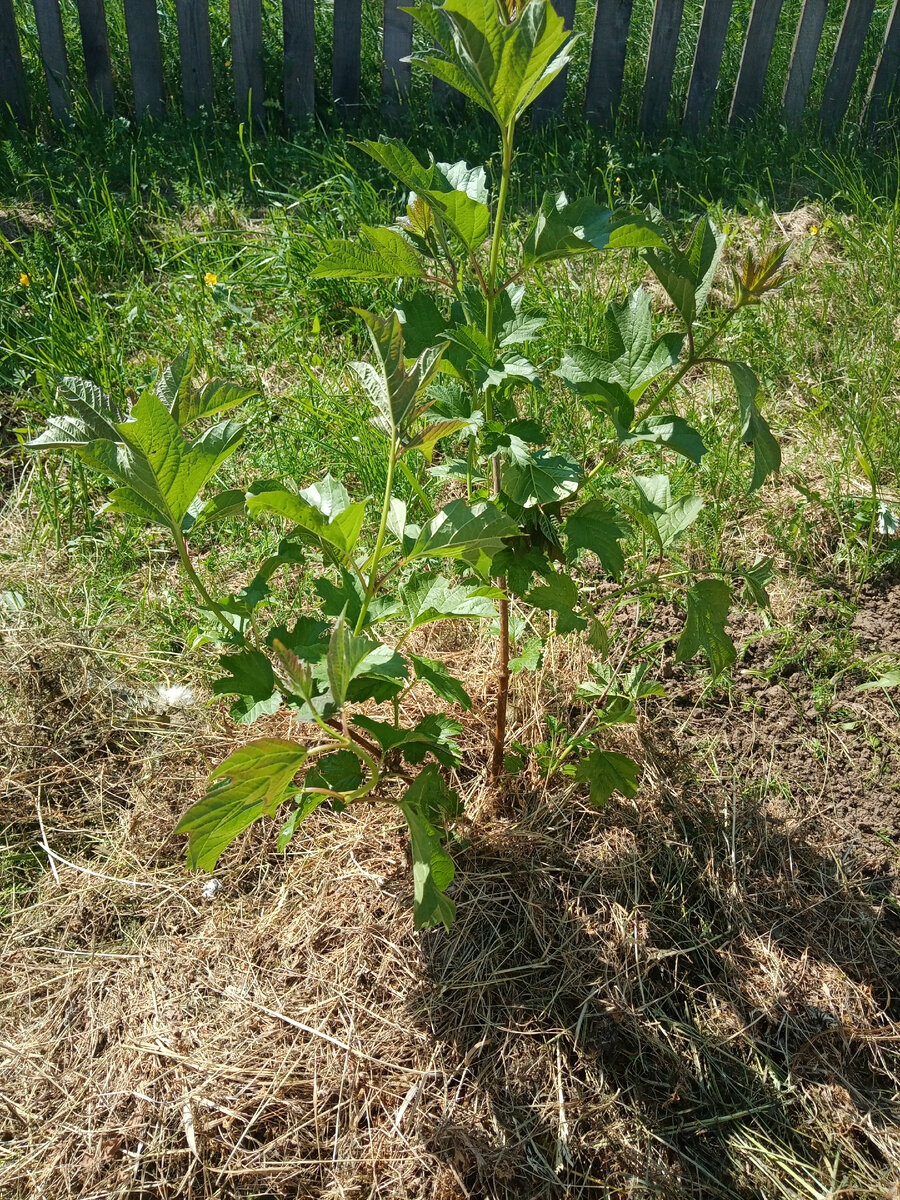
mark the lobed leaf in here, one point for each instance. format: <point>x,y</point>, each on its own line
<point>251,783</point>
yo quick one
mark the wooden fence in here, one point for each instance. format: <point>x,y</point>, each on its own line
<point>611,25</point>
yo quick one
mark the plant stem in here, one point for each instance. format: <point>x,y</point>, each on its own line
<point>500,716</point>
<point>379,541</point>
<point>507,135</point>
<point>199,585</point>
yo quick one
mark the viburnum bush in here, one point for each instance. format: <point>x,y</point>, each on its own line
<point>449,368</point>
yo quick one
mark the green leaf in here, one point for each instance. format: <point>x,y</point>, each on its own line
<point>596,526</point>
<point>378,253</point>
<point>666,518</point>
<point>503,65</point>
<point>560,595</point>
<point>174,385</point>
<point>231,503</point>
<point>757,578</point>
<point>338,526</point>
<point>351,657</point>
<point>888,680</point>
<point>442,683</point>
<point>250,677</point>
<point>339,772</point>
<point>670,431</point>
<point>531,657</point>
<point>432,866</point>
<point>462,531</point>
<point>755,429</point>
<point>608,771</point>
<point>213,398</point>
<point>428,598</point>
<point>687,275</point>
<point>394,389</point>
<point>427,438</point>
<point>162,473</point>
<point>708,605</point>
<point>519,563</point>
<point>435,734</point>
<point>629,357</point>
<point>537,477</point>
<point>423,323</point>
<point>249,784</point>
<point>457,193</point>
<point>564,228</point>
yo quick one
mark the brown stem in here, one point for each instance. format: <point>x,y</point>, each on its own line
<point>503,675</point>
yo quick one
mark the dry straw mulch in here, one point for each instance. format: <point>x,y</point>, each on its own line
<point>683,996</point>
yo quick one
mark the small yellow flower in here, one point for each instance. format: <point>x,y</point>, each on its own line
<point>618,179</point>
<point>814,229</point>
<point>210,279</point>
<point>228,64</point>
<point>24,280</point>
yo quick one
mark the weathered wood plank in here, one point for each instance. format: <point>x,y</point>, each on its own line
<point>847,53</point>
<point>247,61</point>
<point>345,60</point>
<point>13,92</point>
<point>196,56</point>
<point>707,63</point>
<point>396,75</point>
<point>885,80</point>
<point>53,55</point>
<point>612,21</point>
<point>95,42</point>
<point>142,27</point>
<point>299,60</point>
<point>751,80</point>
<point>660,63</point>
<point>803,60</point>
<point>551,100</point>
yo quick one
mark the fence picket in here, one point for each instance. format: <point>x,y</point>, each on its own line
<point>803,60</point>
<point>246,60</point>
<point>94,40</point>
<point>707,62</point>
<point>53,56</point>
<point>345,60</point>
<point>196,56</point>
<point>551,100</point>
<point>396,75</point>
<point>886,76</point>
<point>142,27</point>
<point>299,60</point>
<point>847,52</point>
<point>612,20</point>
<point>608,55</point>
<point>12,71</point>
<point>660,63</point>
<point>751,80</point>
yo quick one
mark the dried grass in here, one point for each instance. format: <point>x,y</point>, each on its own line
<point>679,997</point>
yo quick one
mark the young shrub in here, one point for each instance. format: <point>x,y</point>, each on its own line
<point>447,366</point>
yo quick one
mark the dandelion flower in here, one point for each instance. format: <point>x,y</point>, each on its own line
<point>210,279</point>
<point>814,229</point>
<point>24,280</point>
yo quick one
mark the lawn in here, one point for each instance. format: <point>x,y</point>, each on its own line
<point>691,993</point>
